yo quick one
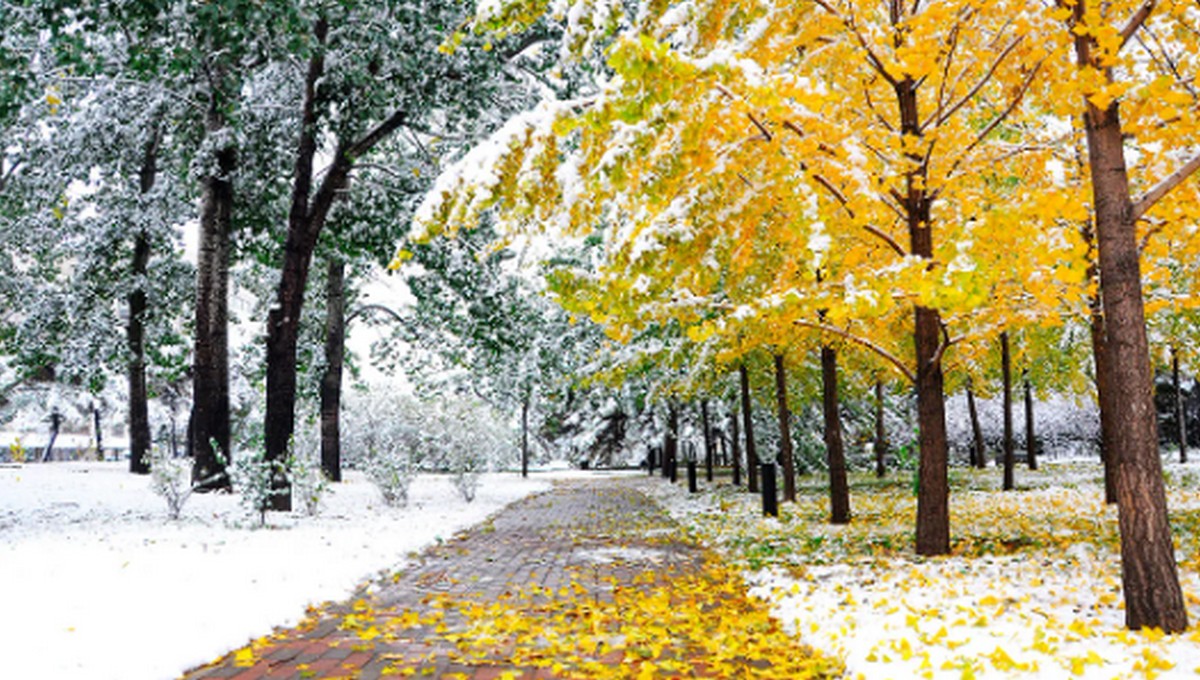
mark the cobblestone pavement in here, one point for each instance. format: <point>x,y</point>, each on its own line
<point>587,538</point>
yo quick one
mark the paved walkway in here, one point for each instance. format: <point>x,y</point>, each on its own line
<point>524,595</point>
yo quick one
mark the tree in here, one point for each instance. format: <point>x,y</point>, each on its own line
<point>1099,34</point>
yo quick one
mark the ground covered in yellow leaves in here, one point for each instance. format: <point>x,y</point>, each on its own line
<point>1033,589</point>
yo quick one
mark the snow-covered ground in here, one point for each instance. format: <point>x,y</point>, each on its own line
<point>96,583</point>
<point>1034,591</point>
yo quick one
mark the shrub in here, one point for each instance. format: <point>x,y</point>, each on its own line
<point>171,479</point>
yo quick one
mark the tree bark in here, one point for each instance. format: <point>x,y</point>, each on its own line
<point>1180,412</point>
<point>99,432</point>
<point>671,450</point>
<point>708,443</point>
<point>1104,394</point>
<point>933,491</point>
<point>209,425</point>
<point>55,422</point>
<point>135,330</point>
<point>1006,369</point>
<point>331,380</point>
<point>748,421</point>
<point>881,442</point>
<point>735,446</point>
<point>978,450</point>
<point>1030,434</point>
<point>525,436</point>
<point>1153,598</point>
<point>786,456</point>
<point>839,488</point>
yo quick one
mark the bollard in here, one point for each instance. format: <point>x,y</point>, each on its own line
<point>770,501</point>
<point>691,472</point>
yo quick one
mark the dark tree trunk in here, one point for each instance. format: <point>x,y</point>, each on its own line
<point>135,331</point>
<point>55,422</point>
<point>933,491</point>
<point>671,450</point>
<point>306,218</point>
<point>748,420</point>
<point>331,380</point>
<point>881,442</point>
<point>1104,397</point>
<point>978,450</point>
<point>1180,412</point>
<point>708,442</point>
<point>525,436</point>
<point>1006,370</point>
<point>99,433</point>
<point>735,446</point>
<point>209,426</point>
<point>1030,433</point>
<point>786,456</point>
<point>1153,597</point>
<point>839,488</point>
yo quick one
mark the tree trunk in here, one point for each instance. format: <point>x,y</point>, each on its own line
<point>55,422</point>
<point>735,446</point>
<point>1153,598</point>
<point>933,491</point>
<point>671,450</point>
<point>1006,370</point>
<point>525,436</point>
<point>1180,412</point>
<point>209,426</point>
<point>1030,434</point>
<point>748,421</point>
<point>99,433</point>
<point>331,381</point>
<point>881,443</point>
<point>1104,395</point>
<point>135,331</point>
<point>839,489</point>
<point>786,456</point>
<point>708,443</point>
<point>978,450</point>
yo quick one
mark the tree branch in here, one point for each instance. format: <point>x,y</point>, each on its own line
<point>983,80</point>
<point>858,340</point>
<point>1147,200</point>
<point>1135,22</point>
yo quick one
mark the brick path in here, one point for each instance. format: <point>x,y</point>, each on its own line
<point>595,536</point>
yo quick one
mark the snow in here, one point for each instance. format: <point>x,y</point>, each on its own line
<point>1040,613</point>
<point>96,583</point>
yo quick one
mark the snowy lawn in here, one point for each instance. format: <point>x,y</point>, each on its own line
<point>1032,590</point>
<point>96,583</point>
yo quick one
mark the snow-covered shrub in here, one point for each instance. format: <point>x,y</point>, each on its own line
<point>391,471</point>
<point>171,479</point>
<point>253,477</point>
<point>309,483</point>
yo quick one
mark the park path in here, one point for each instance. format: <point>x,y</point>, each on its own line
<point>588,579</point>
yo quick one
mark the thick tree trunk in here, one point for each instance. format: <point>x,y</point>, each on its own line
<point>135,331</point>
<point>881,442</point>
<point>1153,597</point>
<point>839,488</point>
<point>1104,396</point>
<point>209,426</point>
<point>978,450</point>
<point>748,421</point>
<point>735,446</point>
<point>1030,433</point>
<point>933,491</point>
<point>1180,412</point>
<point>786,456</point>
<point>331,380</point>
<point>1006,370</point>
<point>708,443</point>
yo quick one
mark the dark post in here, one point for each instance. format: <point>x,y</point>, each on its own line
<point>769,497</point>
<point>650,459</point>
<point>691,473</point>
